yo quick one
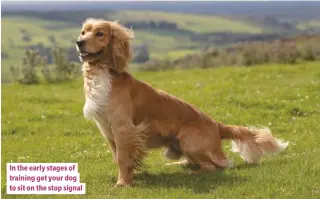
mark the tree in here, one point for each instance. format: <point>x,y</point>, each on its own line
<point>26,73</point>
<point>142,55</point>
<point>63,70</point>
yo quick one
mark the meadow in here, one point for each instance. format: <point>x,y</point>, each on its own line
<point>44,123</point>
<point>65,34</point>
<point>192,34</point>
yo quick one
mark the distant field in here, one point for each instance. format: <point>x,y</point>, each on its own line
<point>175,54</point>
<point>192,22</point>
<point>309,24</point>
<point>160,43</point>
<point>38,32</point>
<point>14,46</point>
<point>44,123</point>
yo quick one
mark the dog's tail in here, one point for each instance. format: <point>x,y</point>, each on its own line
<point>251,143</point>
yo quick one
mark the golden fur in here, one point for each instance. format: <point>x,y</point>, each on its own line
<point>134,116</point>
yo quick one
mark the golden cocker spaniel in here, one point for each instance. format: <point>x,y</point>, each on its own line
<point>134,116</point>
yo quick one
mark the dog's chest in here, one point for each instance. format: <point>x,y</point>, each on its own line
<point>97,92</point>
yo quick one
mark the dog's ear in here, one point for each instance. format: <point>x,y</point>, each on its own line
<point>121,46</point>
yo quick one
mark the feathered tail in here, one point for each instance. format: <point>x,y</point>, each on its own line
<point>251,143</point>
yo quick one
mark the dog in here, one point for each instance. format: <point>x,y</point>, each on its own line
<point>134,117</point>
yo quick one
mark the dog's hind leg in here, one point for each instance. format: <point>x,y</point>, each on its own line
<point>219,159</point>
<point>209,162</point>
<point>173,153</point>
<point>203,149</point>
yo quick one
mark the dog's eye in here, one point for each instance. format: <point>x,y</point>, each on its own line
<point>82,32</point>
<point>99,34</point>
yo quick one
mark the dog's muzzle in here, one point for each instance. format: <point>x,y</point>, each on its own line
<point>85,54</point>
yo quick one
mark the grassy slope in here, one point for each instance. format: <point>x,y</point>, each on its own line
<point>191,22</point>
<point>36,27</point>
<point>158,41</point>
<point>161,43</point>
<point>11,27</point>
<point>44,123</point>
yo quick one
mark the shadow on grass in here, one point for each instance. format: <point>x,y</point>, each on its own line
<point>262,164</point>
<point>203,182</point>
<point>199,183</point>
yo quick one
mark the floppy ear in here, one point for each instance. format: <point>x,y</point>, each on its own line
<point>121,46</point>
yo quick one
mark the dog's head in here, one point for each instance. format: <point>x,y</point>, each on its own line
<point>105,40</point>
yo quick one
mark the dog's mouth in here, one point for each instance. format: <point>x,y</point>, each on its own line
<point>84,54</point>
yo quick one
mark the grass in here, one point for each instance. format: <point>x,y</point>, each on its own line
<point>44,123</point>
<point>191,22</point>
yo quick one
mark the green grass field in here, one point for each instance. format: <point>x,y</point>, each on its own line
<point>44,123</point>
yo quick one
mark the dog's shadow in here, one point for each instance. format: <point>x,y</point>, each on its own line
<point>198,183</point>
<point>203,182</point>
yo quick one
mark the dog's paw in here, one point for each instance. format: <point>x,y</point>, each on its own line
<point>182,163</point>
<point>195,172</point>
<point>122,184</point>
<point>169,164</point>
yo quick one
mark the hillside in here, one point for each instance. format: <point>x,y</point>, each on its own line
<point>165,35</point>
<point>189,22</point>
<point>282,97</point>
<point>42,31</point>
<point>290,50</point>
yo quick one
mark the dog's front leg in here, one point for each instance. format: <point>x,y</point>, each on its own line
<point>113,148</point>
<point>130,141</point>
<point>124,157</point>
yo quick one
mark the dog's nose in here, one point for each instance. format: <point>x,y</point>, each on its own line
<point>80,43</point>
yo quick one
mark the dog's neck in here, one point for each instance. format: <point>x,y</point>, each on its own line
<point>97,88</point>
<point>95,68</point>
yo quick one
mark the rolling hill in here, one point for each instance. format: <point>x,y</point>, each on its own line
<point>166,34</point>
<point>190,22</point>
<point>39,31</point>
